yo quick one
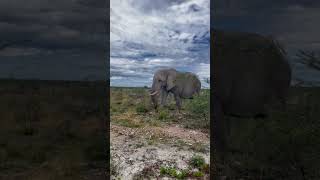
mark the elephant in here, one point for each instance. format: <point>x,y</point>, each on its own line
<point>183,85</point>
<point>250,71</point>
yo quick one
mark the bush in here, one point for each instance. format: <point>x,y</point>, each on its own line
<point>171,171</point>
<point>199,111</point>
<point>163,115</point>
<point>197,161</point>
<point>141,108</point>
<point>200,105</point>
<point>198,174</point>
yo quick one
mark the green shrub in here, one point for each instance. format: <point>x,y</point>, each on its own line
<point>197,161</point>
<point>168,171</point>
<point>141,108</point>
<point>205,168</point>
<point>198,174</point>
<point>163,170</point>
<point>199,110</point>
<point>200,105</point>
<point>163,115</point>
<point>183,174</point>
<point>172,172</point>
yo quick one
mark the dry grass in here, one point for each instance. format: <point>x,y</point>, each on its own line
<point>131,107</point>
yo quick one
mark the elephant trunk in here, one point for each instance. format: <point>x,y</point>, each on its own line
<point>154,90</point>
<point>153,95</point>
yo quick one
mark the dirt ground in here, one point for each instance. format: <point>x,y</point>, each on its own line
<point>163,144</point>
<point>137,150</point>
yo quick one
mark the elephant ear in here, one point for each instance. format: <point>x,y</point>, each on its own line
<point>171,81</point>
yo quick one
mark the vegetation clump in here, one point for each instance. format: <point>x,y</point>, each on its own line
<point>172,172</point>
<point>141,108</point>
<point>196,161</point>
<point>163,115</point>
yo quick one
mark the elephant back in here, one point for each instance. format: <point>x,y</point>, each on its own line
<point>188,84</point>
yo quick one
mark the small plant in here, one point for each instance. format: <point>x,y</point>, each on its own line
<point>163,170</point>
<point>168,171</point>
<point>183,174</point>
<point>198,174</point>
<point>197,161</point>
<point>199,110</point>
<point>171,171</point>
<point>163,115</point>
<point>141,108</point>
<point>205,168</point>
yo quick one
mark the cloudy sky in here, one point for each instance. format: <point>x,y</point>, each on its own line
<point>53,40</point>
<point>295,23</point>
<point>148,35</point>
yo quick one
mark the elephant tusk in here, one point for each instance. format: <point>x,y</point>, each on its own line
<point>154,93</point>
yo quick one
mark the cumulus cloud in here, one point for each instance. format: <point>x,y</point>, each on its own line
<point>147,36</point>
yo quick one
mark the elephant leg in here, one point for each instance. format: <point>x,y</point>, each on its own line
<point>164,96</point>
<point>178,102</point>
<point>219,127</point>
<point>219,139</point>
<point>154,103</point>
<point>156,107</point>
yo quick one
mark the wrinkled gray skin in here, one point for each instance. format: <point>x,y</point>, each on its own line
<point>248,72</point>
<point>183,85</point>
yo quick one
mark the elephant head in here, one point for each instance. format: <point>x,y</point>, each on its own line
<point>163,81</point>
